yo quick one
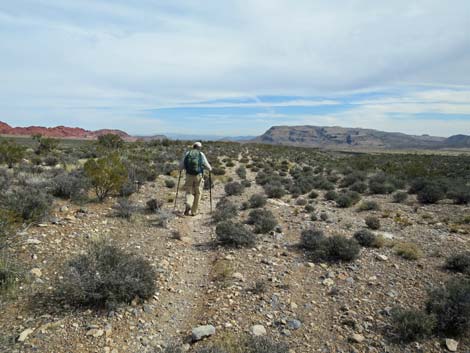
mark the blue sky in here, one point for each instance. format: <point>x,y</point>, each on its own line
<point>236,67</point>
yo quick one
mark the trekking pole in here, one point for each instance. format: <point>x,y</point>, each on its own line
<point>177,189</point>
<point>210,189</point>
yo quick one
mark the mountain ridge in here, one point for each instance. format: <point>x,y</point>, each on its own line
<point>351,138</point>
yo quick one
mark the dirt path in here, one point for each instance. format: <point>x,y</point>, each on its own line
<point>183,301</point>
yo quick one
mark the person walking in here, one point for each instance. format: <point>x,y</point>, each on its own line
<point>194,162</point>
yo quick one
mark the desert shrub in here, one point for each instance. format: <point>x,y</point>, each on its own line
<point>110,141</point>
<point>352,178</point>
<point>170,183</point>
<point>127,188</point>
<point>246,183</point>
<point>225,210</point>
<point>337,248</point>
<point>11,153</point>
<point>366,238</point>
<point>218,171</point>
<point>459,263</point>
<point>383,184</point>
<point>408,251</point>
<point>241,172</point>
<point>369,205</point>
<point>412,324</point>
<point>450,304</point>
<point>274,190</point>
<point>460,194</point>
<point>372,222</point>
<point>324,216</point>
<point>70,186</point>
<point>311,238</point>
<point>399,196</point>
<point>153,205</point>
<point>230,164</point>
<point>347,199</point>
<point>7,220</point>
<point>263,345</point>
<point>263,220</point>
<point>309,208</point>
<point>5,179</point>
<point>301,202</point>
<point>29,203</point>
<point>430,193</point>
<point>257,201</point>
<point>234,234</point>
<point>106,275</point>
<point>234,188</point>
<point>10,275</point>
<point>162,217</point>
<point>313,195</point>
<point>331,195</point>
<point>124,208</point>
<point>106,174</point>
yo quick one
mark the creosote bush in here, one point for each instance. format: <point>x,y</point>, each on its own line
<point>170,183</point>
<point>430,193</point>
<point>459,263</point>
<point>450,304</point>
<point>257,201</point>
<point>106,276</point>
<point>399,196</point>
<point>234,188</point>
<point>372,222</point>
<point>331,195</point>
<point>366,238</point>
<point>107,174</point>
<point>263,220</point>
<point>274,190</point>
<point>413,324</point>
<point>234,234</point>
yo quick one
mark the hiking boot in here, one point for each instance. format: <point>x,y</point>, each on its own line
<point>187,210</point>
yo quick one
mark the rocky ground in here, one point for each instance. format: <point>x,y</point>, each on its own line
<point>271,289</point>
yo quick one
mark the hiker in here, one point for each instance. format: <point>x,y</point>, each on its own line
<point>194,162</point>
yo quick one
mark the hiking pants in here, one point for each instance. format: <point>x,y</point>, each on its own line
<point>193,187</point>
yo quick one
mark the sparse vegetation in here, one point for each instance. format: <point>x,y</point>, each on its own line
<point>366,238</point>
<point>234,188</point>
<point>257,201</point>
<point>372,222</point>
<point>459,263</point>
<point>234,234</point>
<point>407,250</point>
<point>263,220</point>
<point>334,248</point>
<point>412,324</point>
<point>106,276</point>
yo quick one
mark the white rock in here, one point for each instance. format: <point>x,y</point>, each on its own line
<point>258,330</point>
<point>24,335</point>
<point>95,332</point>
<point>36,272</point>
<point>452,345</point>
<point>328,282</point>
<point>357,338</point>
<point>200,332</point>
<point>381,257</point>
<point>33,241</point>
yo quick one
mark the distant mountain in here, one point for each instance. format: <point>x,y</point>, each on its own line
<point>191,137</point>
<point>340,137</point>
<point>59,132</point>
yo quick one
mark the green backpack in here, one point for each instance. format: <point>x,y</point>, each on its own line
<point>193,162</point>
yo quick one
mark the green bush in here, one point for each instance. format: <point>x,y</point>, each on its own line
<point>234,188</point>
<point>274,190</point>
<point>459,263</point>
<point>368,206</point>
<point>234,234</point>
<point>241,172</point>
<point>128,188</point>
<point>154,205</point>
<point>170,183</point>
<point>399,196</point>
<point>331,195</point>
<point>335,248</point>
<point>450,304</point>
<point>412,324</point>
<point>366,238</point>
<point>313,195</point>
<point>372,222</point>
<point>106,174</point>
<point>257,201</point>
<point>460,194</point>
<point>430,193</point>
<point>110,141</point>
<point>263,220</point>
<point>344,201</point>
<point>11,153</point>
<point>10,275</point>
<point>106,276</point>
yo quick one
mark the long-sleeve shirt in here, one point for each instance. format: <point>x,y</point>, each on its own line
<point>204,161</point>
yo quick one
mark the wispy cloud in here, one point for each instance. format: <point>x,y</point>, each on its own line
<point>369,62</point>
